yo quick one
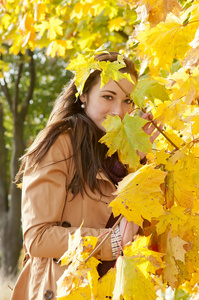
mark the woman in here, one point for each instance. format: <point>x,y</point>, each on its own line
<point>67,179</point>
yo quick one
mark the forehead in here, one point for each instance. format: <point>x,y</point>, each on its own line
<point>122,86</point>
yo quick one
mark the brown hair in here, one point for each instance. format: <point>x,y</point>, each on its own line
<point>67,115</point>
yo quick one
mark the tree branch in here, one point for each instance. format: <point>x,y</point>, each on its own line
<point>16,88</point>
<point>7,93</point>
<point>123,34</point>
<point>104,239</point>
<point>160,130</point>
<point>31,85</point>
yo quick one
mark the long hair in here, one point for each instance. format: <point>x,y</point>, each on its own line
<point>67,115</point>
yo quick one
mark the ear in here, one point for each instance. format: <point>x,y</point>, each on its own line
<point>83,98</point>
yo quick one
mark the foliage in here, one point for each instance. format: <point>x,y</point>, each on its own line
<point>51,77</point>
<point>164,38</point>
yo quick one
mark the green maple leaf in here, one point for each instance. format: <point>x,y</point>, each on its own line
<point>110,70</point>
<point>126,136</point>
<point>150,89</point>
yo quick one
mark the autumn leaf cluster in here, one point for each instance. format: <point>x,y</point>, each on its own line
<point>162,37</point>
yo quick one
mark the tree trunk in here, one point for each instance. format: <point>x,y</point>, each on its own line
<point>11,229</point>
<point>12,238</point>
<point>3,183</point>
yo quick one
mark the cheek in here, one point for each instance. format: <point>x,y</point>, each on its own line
<point>127,109</point>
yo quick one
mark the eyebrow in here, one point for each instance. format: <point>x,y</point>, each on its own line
<point>108,91</point>
<point>114,93</point>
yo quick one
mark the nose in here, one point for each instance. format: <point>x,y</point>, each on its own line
<point>118,110</point>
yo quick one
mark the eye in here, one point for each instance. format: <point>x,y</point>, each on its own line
<point>128,101</point>
<point>108,97</point>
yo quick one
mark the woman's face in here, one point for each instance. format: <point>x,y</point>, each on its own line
<point>111,100</point>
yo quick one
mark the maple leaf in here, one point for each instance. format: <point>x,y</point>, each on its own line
<point>139,195</point>
<point>80,278</point>
<point>116,24</point>
<point>186,84</point>
<point>59,47</point>
<point>53,25</point>
<point>177,245</point>
<point>184,169</point>
<point>106,285</point>
<point>149,260</point>
<point>76,245</point>
<point>110,70</point>
<point>162,157</point>
<point>173,140</point>
<point>127,137</point>
<point>82,66</point>
<point>171,113</point>
<point>194,120</point>
<point>174,251</point>
<point>137,286</point>
<point>191,59</point>
<point>40,11</point>
<point>157,11</point>
<point>191,235</point>
<point>171,270</point>
<point>150,89</point>
<point>173,218</point>
<point>161,43</point>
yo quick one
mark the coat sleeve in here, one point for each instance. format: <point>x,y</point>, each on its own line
<point>43,198</point>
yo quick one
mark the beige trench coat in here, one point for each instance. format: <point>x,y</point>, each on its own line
<point>46,204</point>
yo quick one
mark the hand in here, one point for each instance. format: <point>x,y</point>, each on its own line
<point>149,128</point>
<point>128,230</point>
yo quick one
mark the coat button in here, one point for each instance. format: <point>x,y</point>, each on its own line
<point>48,294</point>
<point>66,224</point>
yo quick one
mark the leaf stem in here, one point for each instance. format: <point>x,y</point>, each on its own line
<point>157,127</point>
<point>104,239</point>
<point>160,130</point>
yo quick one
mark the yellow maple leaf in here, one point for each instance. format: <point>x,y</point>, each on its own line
<point>26,23</point>
<point>53,27</point>
<point>16,45</point>
<point>106,285</point>
<point>186,84</point>
<point>82,66</point>
<point>185,189</point>
<point>40,11</point>
<point>162,157</point>
<point>130,282</point>
<point>88,39</point>
<point>139,195</point>
<point>194,121</point>
<point>149,261</point>
<point>171,113</point>
<point>174,218</point>
<point>192,286</point>
<point>157,11</point>
<point>6,20</point>
<point>173,139</point>
<point>80,278</point>
<point>116,24</point>
<point>19,185</point>
<point>171,271</point>
<point>167,40</point>
<point>59,47</point>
